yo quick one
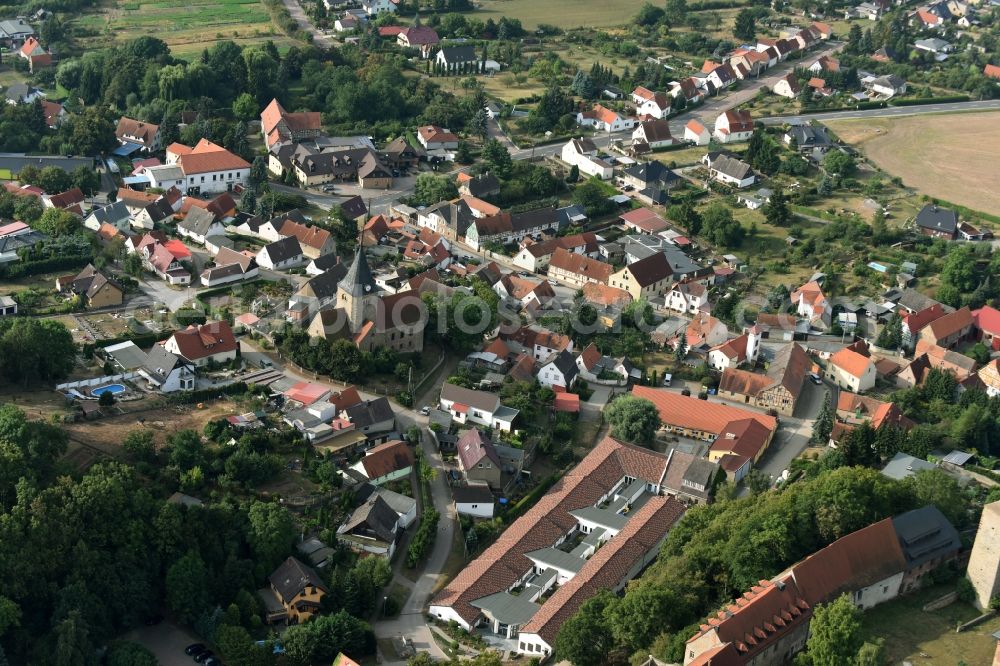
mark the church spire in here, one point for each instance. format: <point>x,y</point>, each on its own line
<point>358,281</point>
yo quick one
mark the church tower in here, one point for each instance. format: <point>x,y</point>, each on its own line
<point>356,292</point>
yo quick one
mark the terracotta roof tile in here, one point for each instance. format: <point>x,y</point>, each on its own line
<point>690,412</point>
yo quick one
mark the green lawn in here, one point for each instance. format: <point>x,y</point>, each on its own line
<point>187,26</point>
<point>929,638</point>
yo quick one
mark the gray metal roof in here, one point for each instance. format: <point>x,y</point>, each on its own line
<point>559,559</point>
<point>506,608</point>
<point>601,517</point>
<point>903,465</point>
<point>957,458</point>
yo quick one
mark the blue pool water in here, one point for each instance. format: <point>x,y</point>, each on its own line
<point>110,388</point>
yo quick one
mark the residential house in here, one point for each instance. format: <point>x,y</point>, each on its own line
<point>471,406</point>
<point>852,369</point>
<point>687,297</point>
<point>457,58</point>
<point>699,419</point>
<point>482,186</point>
<point>729,170</point>
<point>654,174</point>
<point>280,126</point>
<point>948,330</point>
<point>810,302</point>
<point>531,294</point>
<point>424,38</point>
<point>987,323</point>
<point>208,168</point>
<point>314,241</point>
<point>230,266</point>
<point>697,133</point>
<point>377,7</point>
<point>386,462</point>
<point>787,86</point>
<point>657,106</point>
<point>989,375</point>
<point>735,352</point>
<point>372,528</point>
<point>478,458</point>
<point>166,259</point>
<point>704,332</point>
<point>577,269</point>
<point>653,133</point>
<point>808,138</point>
<point>136,132</point>
<point>647,278</point>
<point>54,114</point>
<point>474,500</point>
<point>360,165</point>
<point>739,446</point>
<point>778,389</point>
<point>22,93</point>
<point>165,371</point>
<point>14,32</point>
<point>281,254</point>
<point>992,72</point>
<point>71,201</point>
<point>604,119</point>
<point>94,288</point>
<point>583,154</point>
<point>432,137</point>
<point>688,90</point>
<point>914,322</point>
<point>294,594</point>
<point>887,86</point>
<point>8,306</point>
<point>36,55</point>
<point>733,126</point>
<point>937,222</point>
<point>210,343</point>
<point>536,256</point>
<point>935,45</point>
<point>199,224</point>
<point>777,326</point>
<point>505,228</point>
<point>399,154</point>
<point>541,343</point>
<point>371,417</point>
<point>559,372</point>
<point>643,221</point>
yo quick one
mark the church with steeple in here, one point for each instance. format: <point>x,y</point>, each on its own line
<point>370,319</point>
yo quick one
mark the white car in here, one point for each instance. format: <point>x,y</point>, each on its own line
<point>425,410</point>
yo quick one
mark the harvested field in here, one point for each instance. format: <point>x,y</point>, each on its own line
<point>562,13</point>
<point>945,156</point>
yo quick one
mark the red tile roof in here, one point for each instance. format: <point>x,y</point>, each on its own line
<point>745,438</point>
<point>851,362</point>
<point>857,560</point>
<point>992,71</point>
<point>917,320</point>
<point>578,264</point>
<point>645,219</point>
<point>951,323</point>
<point>196,342</point>
<point>567,402</point>
<point>987,320</point>
<point>345,398</point>
<point>682,411</point>
<point>609,566</point>
<point>504,563</point>
<point>601,294</point>
<point>387,458</point>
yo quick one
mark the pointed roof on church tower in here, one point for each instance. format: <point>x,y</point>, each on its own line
<point>358,280</point>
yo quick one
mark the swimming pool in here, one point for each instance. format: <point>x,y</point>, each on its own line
<point>110,388</point>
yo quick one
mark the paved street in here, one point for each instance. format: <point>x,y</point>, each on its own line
<point>295,9</point>
<point>890,112</point>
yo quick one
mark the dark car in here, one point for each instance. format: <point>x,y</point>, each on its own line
<point>202,656</point>
<point>194,649</point>
<point>212,661</point>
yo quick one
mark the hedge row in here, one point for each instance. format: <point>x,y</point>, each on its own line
<point>144,340</point>
<point>191,397</point>
<point>917,101</point>
<point>423,539</point>
<point>18,269</point>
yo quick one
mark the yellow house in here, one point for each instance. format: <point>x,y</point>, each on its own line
<point>645,278</point>
<point>295,593</point>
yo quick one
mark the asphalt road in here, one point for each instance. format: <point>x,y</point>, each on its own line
<point>295,9</point>
<point>889,112</point>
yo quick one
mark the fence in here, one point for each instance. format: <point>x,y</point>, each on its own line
<point>97,381</point>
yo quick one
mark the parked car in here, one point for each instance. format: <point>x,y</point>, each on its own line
<point>202,656</point>
<point>815,379</point>
<point>425,410</point>
<point>194,649</point>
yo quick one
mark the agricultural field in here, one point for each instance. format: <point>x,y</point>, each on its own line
<point>562,13</point>
<point>187,26</point>
<point>938,155</point>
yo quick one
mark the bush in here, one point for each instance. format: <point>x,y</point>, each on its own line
<point>423,539</point>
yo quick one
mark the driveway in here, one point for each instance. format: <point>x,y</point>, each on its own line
<point>295,9</point>
<point>159,293</point>
<point>165,640</point>
<point>794,433</point>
